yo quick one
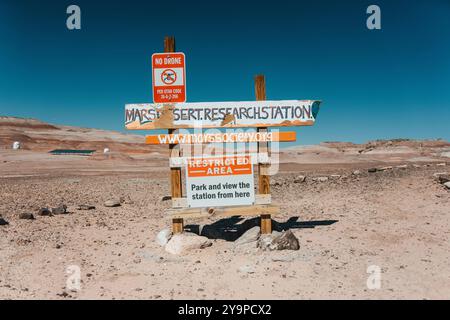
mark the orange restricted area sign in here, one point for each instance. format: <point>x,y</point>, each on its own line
<point>200,138</point>
<point>208,167</point>
<point>220,181</point>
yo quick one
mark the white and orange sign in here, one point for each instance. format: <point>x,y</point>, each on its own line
<point>169,77</point>
<point>220,181</point>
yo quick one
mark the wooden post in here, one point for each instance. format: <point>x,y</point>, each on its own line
<point>263,178</point>
<point>174,151</point>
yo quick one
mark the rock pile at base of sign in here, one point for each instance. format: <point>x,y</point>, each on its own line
<point>163,237</point>
<point>185,242</point>
<point>249,236</point>
<point>285,240</point>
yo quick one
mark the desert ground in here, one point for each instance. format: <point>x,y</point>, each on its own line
<point>357,206</point>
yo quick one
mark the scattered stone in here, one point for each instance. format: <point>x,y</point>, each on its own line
<point>3,222</point>
<point>126,200</point>
<point>356,173</point>
<point>371,170</point>
<point>300,179</point>
<point>163,237</point>
<point>250,235</point>
<point>26,216</point>
<point>85,207</point>
<point>44,212</point>
<point>447,185</point>
<point>442,177</point>
<point>112,203</point>
<point>166,198</point>
<point>284,241</point>
<point>320,179</point>
<point>246,269</point>
<point>61,209</point>
<point>185,242</point>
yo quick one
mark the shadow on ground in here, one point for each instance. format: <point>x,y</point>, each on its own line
<point>230,229</point>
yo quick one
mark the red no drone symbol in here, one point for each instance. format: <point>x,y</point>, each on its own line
<point>168,76</point>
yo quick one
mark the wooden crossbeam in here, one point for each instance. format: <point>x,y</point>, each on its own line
<point>269,209</point>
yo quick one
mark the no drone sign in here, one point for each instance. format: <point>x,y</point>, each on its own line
<point>168,74</point>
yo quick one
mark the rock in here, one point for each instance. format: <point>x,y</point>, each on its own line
<point>402,166</point>
<point>442,177</point>
<point>3,222</point>
<point>300,179</point>
<point>371,170</point>
<point>126,200</point>
<point>85,207</point>
<point>61,209</point>
<point>443,164</point>
<point>335,176</point>
<point>185,242</point>
<point>416,165</point>
<point>385,168</point>
<point>320,179</point>
<point>163,237</point>
<point>447,185</point>
<point>26,216</point>
<point>356,173</point>
<point>285,241</point>
<point>44,212</point>
<point>166,198</point>
<point>250,235</point>
<point>246,269</point>
<point>112,203</point>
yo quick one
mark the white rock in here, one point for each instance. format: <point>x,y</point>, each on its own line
<point>112,203</point>
<point>250,235</point>
<point>443,164</point>
<point>300,179</point>
<point>320,179</point>
<point>447,185</point>
<point>335,176</point>
<point>163,237</point>
<point>185,242</point>
<point>402,166</point>
<point>356,172</point>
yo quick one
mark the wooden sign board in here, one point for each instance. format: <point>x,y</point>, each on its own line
<point>227,137</point>
<point>219,181</point>
<point>280,113</point>
<point>169,77</point>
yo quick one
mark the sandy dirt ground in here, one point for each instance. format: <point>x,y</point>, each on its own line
<point>397,220</point>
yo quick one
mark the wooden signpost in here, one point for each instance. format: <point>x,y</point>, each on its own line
<point>216,186</point>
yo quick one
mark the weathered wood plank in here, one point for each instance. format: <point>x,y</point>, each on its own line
<point>254,210</point>
<point>283,113</point>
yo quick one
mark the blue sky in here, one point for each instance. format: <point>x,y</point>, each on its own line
<point>375,84</point>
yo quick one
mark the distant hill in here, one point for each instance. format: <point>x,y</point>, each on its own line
<point>37,135</point>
